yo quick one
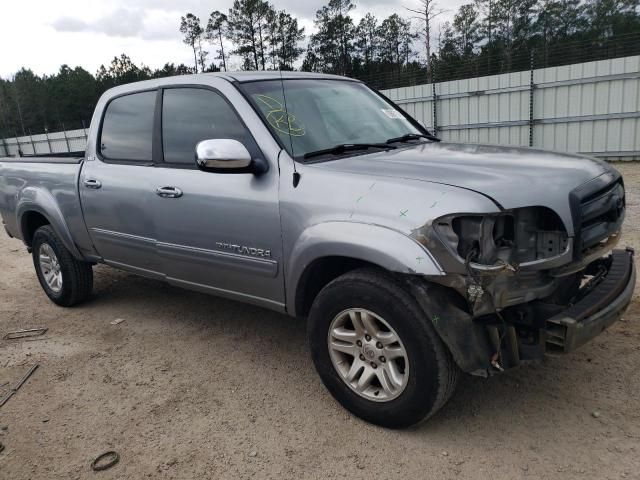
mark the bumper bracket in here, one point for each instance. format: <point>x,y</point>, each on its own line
<point>598,310</point>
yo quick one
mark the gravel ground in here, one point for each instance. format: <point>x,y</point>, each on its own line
<point>190,386</point>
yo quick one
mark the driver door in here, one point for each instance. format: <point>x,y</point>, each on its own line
<point>220,233</point>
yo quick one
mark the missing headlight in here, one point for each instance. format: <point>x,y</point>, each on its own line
<point>511,237</point>
<point>481,238</point>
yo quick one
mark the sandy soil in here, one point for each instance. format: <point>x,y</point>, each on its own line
<point>190,386</point>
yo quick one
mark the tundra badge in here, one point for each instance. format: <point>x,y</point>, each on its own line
<point>244,250</point>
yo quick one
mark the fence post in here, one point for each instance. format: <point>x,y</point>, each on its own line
<point>33,145</point>
<point>18,143</point>
<point>531,88</point>
<point>6,148</point>
<point>66,140</point>
<point>85,131</point>
<point>435,103</point>
<point>46,133</point>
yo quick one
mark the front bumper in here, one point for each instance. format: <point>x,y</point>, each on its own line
<point>597,310</point>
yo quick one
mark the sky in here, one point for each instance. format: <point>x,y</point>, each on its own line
<point>89,33</point>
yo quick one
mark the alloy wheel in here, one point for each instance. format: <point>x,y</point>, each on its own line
<point>368,354</point>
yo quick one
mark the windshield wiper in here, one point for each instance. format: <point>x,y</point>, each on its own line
<point>347,147</point>
<point>413,136</point>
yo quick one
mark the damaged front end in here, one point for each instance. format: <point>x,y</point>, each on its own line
<point>525,285</point>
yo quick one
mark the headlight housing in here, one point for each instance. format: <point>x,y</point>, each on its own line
<point>512,237</point>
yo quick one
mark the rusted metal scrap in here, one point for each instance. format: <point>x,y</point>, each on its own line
<point>29,332</point>
<point>14,389</point>
<point>104,461</point>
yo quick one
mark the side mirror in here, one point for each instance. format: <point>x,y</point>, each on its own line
<point>223,155</point>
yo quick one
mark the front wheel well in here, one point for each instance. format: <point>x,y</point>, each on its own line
<point>318,274</point>
<point>32,221</point>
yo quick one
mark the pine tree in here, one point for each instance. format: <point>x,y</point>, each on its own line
<point>332,45</point>
<point>248,31</point>
<point>192,30</point>
<point>215,33</point>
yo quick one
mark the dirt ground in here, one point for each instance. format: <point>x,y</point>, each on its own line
<point>191,386</point>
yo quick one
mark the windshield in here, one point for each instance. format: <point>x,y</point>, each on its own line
<point>323,114</point>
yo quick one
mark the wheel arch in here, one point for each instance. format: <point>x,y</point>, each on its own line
<point>320,273</point>
<point>327,250</point>
<point>29,223</point>
<point>38,208</point>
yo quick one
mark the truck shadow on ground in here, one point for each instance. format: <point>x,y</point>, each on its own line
<point>561,390</point>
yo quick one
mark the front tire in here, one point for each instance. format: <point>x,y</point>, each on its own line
<point>65,280</point>
<point>377,352</point>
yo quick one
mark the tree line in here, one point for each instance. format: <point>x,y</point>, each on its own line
<point>412,46</point>
<point>31,103</point>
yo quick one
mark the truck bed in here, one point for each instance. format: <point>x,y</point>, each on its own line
<point>63,157</point>
<point>45,184</point>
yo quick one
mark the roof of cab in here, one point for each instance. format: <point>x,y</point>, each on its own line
<point>252,76</point>
<point>240,77</point>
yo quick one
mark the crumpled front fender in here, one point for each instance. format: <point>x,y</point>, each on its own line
<point>382,246</point>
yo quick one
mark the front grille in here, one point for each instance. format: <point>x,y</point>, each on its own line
<point>599,215</point>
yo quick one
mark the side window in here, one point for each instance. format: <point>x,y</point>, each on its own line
<point>127,128</point>
<point>190,115</point>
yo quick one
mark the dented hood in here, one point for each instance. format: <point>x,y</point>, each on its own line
<point>512,177</point>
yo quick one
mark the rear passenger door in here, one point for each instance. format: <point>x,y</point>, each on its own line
<point>116,189</point>
<point>221,233</point>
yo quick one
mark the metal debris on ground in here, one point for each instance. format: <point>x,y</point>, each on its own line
<point>104,461</point>
<point>117,321</point>
<point>13,390</point>
<point>29,332</point>
<point>1,447</point>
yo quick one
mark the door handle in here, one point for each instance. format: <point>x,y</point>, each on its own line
<point>92,183</point>
<point>168,192</point>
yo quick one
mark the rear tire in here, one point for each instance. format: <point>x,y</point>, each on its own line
<point>65,280</point>
<point>425,377</point>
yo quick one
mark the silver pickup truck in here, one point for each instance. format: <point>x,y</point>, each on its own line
<point>412,259</point>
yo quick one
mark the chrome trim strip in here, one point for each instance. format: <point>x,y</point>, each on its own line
<point>110,233</point>
<point>257,266</point>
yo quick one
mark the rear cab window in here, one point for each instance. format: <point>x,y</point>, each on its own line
<point>127,128</point>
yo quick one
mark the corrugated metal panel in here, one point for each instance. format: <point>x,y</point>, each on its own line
<point>54,142</point>
<point>591,108</point>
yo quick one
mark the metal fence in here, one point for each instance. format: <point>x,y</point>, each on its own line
<point>591,108</point>
<point>54,142</point>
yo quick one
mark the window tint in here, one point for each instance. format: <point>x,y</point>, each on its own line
<point>190,115</point>
<point>127,128</point>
